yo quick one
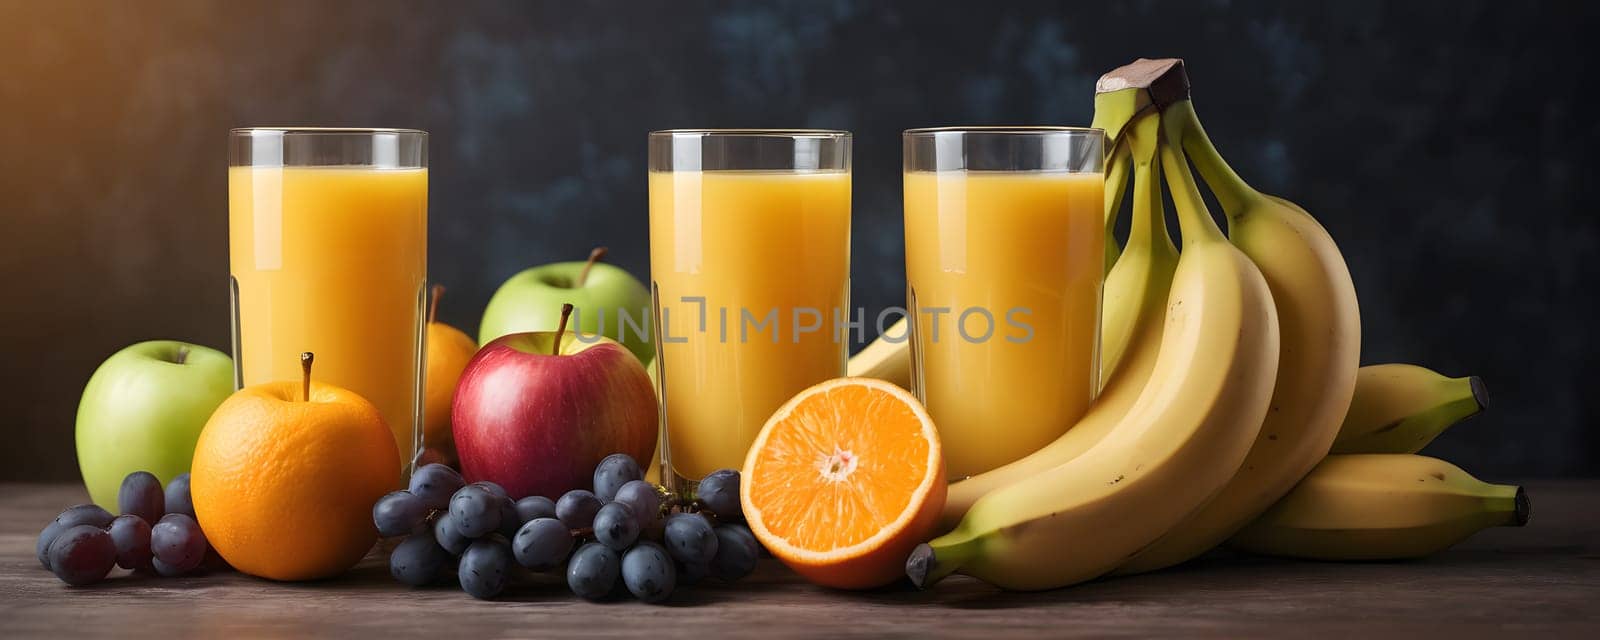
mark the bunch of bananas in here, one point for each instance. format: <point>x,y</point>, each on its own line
<point>1230,373</point>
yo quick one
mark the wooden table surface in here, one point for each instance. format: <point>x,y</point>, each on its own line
<point>1541,580</point>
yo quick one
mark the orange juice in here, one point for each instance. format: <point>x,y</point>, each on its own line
<point>757,246</point>
<point>1027,249</point>
<point>332,260</point>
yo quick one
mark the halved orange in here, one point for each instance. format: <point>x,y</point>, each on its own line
<point>843,481</point>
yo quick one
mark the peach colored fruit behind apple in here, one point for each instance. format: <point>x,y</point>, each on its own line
<point>535,413</point>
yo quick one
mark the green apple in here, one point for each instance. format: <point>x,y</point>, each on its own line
<point>532,299</point>
<point>143,410</point>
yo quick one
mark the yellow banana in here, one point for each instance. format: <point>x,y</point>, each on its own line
<point>1400,408</point>
<point>883,359</point>
<point>1381,506</point>
<point>1132,315</point>
<point>1321,332</point>
<point>1180,442</point>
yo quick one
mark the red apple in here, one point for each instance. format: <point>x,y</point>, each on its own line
<point>535,412</point>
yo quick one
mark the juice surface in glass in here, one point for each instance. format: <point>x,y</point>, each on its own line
<point>747,242</point>
<point>1027,247</point>
<point>332,260</point>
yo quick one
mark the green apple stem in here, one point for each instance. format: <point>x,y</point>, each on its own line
<point>594,256</point>
<point>305,375</point>
<point>561,329</point>
<point>433,307</point>
<point>182,356</point>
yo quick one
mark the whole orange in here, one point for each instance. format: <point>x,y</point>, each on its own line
<point>283,484</point>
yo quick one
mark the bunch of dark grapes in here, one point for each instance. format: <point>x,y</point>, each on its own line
<point>84,542</point>
<point>623,535</point>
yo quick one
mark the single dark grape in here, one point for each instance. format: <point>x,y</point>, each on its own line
<point>70,517</point>
<point>141,495</point>
<point>737,551</point>
<point>448,535</point>
<point>576,508</point>
<point>83,554</point>
<point>614,471</point>
<point>648,572</point>
<point>719,492</point>
<point>643,498</point>
<point>484,567</point>
<point>475,511</point>
<point>435,483</point>
<point>533,507</point>
<point>178,542</point>
<point>542,544</point>
<point>615,526</point>
<point>399,513</point>
<point>131,535</point>
<point>418,561</point>
<point>177,496</point>
<point>593,571</point>
<point>689,538</point>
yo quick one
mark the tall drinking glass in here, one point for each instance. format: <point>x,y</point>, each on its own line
<point>328,248</point>
<point>1004,261</point>
<point>749,267</point>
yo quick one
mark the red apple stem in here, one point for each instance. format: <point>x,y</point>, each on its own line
<point>594,256</point>
<point>305,375</point>
<point>433,306</point>
<point>566,314</point>
<point>183,355</point>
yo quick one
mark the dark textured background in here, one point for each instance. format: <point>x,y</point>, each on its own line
<point>1443,144</point>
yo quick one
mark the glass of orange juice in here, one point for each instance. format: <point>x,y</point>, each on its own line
<point>1004,261</point>
<point>750,275</point>
<point>328,249</point>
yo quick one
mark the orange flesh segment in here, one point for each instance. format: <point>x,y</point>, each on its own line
<point>840,468</point>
